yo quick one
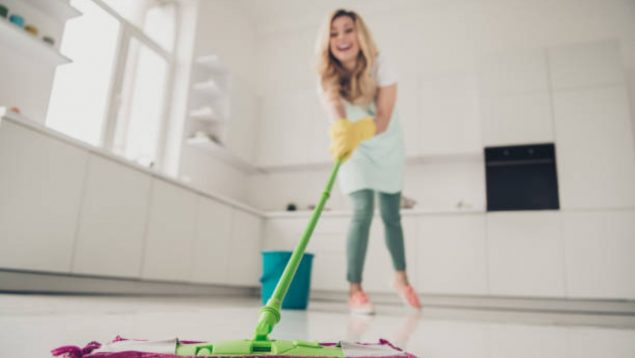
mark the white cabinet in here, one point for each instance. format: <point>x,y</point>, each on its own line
<point>594,148</point>
<point>599,249</point>
<point>41,182</point>
<point>210,259</point>
<point>515,99</point>
<point>525,254</point>
<point>170,233</point>
<point>282,234</point>
<point>586,65</point>
<point>245,262</point>
<point>451,254</point>
<point>112,220</point>
<point>511,119</point>
<point>328,243</point>
<point>450,118</point>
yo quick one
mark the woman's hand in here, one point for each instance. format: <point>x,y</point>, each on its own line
<point>346,136</point>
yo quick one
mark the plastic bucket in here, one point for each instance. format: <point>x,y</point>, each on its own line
<point>273,264</point>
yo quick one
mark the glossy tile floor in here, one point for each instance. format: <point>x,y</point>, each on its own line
<point>30,325</point>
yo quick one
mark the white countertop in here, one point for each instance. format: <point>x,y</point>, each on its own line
<point>27,123</point>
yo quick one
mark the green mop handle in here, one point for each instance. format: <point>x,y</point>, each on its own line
<point>270,313</point>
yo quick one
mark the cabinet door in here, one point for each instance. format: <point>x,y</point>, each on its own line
<point>515,100</point>
<point>451,254</point>
<point>212,242</point>
<point>113,220</point>
<point>170,233</point>
<point>283,234</point>
<point>245,262</point>
<point>594,148</point>
<point>586,65</point>
<point>329,271</point>
<point>450,118</point>
<point>328,243</point>
<point>525,254</point>
<point>41,183</point>
<point>599,249</point>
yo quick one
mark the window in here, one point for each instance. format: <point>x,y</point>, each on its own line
<point>114,94</point>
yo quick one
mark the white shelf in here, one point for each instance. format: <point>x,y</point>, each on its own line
<point>21,41</point>
<point>211,62</point>
<point>205,114</point>
<point>222,153</point>
<point>59,9</point>
<point>208,87</point>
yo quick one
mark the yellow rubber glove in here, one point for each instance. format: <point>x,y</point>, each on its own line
<point>346,136</point>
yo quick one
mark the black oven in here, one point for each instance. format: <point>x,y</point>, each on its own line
<point>521,177</point>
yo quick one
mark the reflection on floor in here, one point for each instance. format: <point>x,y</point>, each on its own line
<point>30,325</point>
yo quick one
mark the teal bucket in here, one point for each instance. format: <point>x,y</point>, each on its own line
<point>273,264</point>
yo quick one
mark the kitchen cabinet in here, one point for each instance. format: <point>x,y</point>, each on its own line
<point>245,262</point>
<point>594,148</point>
<point>112,220</point>
<point>41,183</point>
<point>589,65</point>
<point>515,99</point>
<point>599,249</point>
<point>328,243</point>
<point>525,254</point>
<point>210,260</point>
<point>170,233</point>
<point>451,254</point>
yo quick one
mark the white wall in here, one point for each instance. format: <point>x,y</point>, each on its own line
<point>427,41</point>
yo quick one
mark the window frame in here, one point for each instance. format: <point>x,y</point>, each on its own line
<point>128,32</point>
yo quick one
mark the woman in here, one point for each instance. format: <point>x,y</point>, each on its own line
<point>359,90</point>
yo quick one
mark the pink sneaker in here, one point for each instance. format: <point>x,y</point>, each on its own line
<point>359,303</point>
<point>409,296</point>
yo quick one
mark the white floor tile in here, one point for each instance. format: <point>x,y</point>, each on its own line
<point>31,325</point>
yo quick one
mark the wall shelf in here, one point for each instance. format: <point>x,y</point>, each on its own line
<point>59,9</point>
<point>209,88</point>
<point>21,41</point>
<point>210,62</point>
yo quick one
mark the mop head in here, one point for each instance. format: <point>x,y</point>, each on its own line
<point>174,348</point>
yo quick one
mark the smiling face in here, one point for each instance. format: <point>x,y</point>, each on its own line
<point>344,43</point>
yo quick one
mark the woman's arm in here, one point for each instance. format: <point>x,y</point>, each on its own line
<point>334,107</point>
<point>385,103</point>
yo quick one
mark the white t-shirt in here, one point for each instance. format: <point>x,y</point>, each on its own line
<point>383,73</point>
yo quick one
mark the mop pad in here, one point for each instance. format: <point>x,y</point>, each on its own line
<point>128,348</point>
<point>260,345</point>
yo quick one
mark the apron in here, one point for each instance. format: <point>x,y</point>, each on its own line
<point>377,163</point>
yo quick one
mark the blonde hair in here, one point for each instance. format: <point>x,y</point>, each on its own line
<point>358,86</point>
